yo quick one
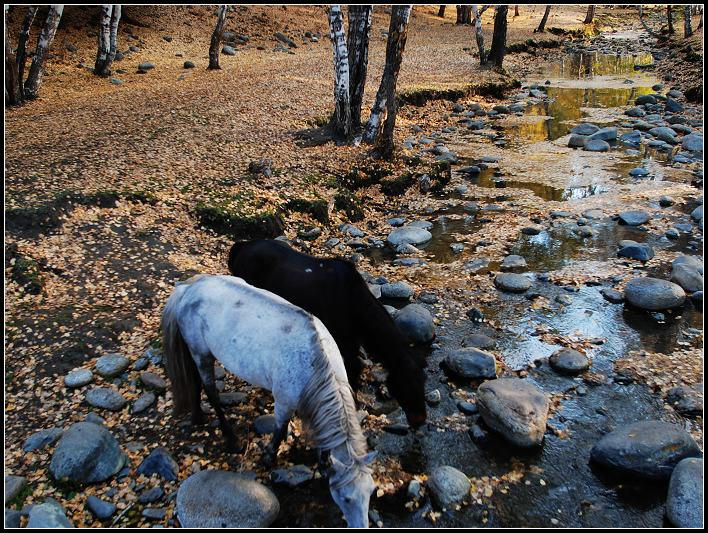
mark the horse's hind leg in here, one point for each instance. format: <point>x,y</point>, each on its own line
<point>205,365</point>
<point>198,416</point>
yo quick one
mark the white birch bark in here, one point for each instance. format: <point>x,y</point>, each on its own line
<point>115,19</point>
<point>49,30</point>
<point>104,41</point>
<point>342,119</point>
<point>479,36</point>
<point>358,49</point>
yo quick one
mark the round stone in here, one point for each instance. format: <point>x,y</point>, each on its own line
<point>512,282</point>
<point>409,234</point>
<point>569,361</point>
<point>596,145</point>
<point>416,323</point>
<point>648,449</point>
<point>112,365</point>
<point>219,499</point>
<point>653,294</point>
<point>78,378</point>
<point>448,486</point>
<point>684,502</point>
<point>472,363</point>
<point>105,398</point>
<point>634,218</point>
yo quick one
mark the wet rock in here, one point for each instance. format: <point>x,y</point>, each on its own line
<point>633,138</point>
<point>604,134</point>
<point>636,250</point>
<point>13,486</point>
<point>468,408</point>
<point>666,201</point>
<point>568,361</point>
<point>653,294</point>
<point>645,99</point>
<point>577,141</point>
<point>232,398</point>
<point>635,112</point>
<point>634,218</point>
<point>264,425</point>
<point>12,519</point>
<point>594,214</point>
<point>639,172</point>
<point>448,486</point>
<point>112,365</point>
<point>427,298</point>
<point>672,233</point>
<point>472,363</point>
<point>672,106</point>
<point>476,265</point>
<point>563,299</point>
<point>159,462</point>
<point>686,400</point>
<point>78,378</point>
<point>100,509</point>
<point>219,499</point>
<point>512,262</point>
<point>410,235</point>
<point>42,438</point>
<point>86,453</point>
<point>151,495</point>
<point>293,476</point>
<point>532,230</point>
<point>433,397</point>
<point>612,296</point>
<point>509,282</point>
<point>480,341</point>
<point>596,145</point>
<point>688,278</point>
<point>585,129</point>
<point>475,314</point>
<point>684,501</point>
<point>49,514</point>
<point>143,402</point>
<point>697,214</point>
<point>692,142</point>
<point>647,449</point>
<point>398,290</point>
<point>515,408</point>
<point>416,323</point>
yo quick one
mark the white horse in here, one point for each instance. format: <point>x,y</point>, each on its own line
<point>263,339</point>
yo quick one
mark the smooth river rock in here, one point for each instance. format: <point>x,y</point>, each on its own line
<point>684,501</point>
<point>448,486</point>
<point>416,323</point>
<point>653,294</point>
<point>512,282</point>
<point>410,235</point>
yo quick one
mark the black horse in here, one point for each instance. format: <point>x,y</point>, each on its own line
<point>333,291</point>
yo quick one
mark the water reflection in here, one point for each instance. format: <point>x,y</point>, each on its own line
<point>590,64</point>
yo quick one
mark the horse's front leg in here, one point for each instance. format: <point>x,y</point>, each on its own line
<point>282,419</point>
<point>205,365</point>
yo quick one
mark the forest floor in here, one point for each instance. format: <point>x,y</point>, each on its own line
<point>116,189</point>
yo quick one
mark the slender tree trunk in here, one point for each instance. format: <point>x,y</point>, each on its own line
<point>358,49</point>
<point>687,31</point>
<point>384,109</point>
<point>441,12</point>
<point>590,15</point>
<point>49,30</point>
<point>12,82</point>
<point>22,48</point>
<point>479,35</point>
<point>670,19</point>
<point>542,26</point>
<point>115,19</point>
<point>516,10</point>
<point>216,38</point>
<point>700,21</point>
<point>102,68</point>
<point>342,119</point>
<point>464,15</point>
<point>498,50</point>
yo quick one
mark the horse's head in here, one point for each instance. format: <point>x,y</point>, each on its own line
<point>351,487</point>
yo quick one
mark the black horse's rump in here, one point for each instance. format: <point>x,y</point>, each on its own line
<point>333,291</point>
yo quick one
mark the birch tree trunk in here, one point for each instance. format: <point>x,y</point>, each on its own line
<point>670,19</point>
<point>12,83</point>
<point>49,30</point>
<point>384,110</point>
<point>498,50</point>
<point>342,119</point>
<point>102,67</point>
<point>115,19</point>
<point>479,36</point>
<point>358,49</point>
<point>542,26</point>
<point>687,31</point>
<point>216,38</point>
<point>590,14</point>
<point>441,11</point>
<point>22,48</point>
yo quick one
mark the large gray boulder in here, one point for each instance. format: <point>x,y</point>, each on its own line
<point>13,486</point>
<point>636,250</point>
<point>515,408</point>
<point>653,294</point>
<point>448,486</point>
<point>416,323</point>
<point>86,453</point>
<point>585,128</point>
<point>648,449</point>
<point>49,514</point>
<point>692,142</point>
<point>690,279</point>
<point>604,134</point>
<point>219,499</point>
<point>684,502</point>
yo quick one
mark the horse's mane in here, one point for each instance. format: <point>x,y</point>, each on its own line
<point>328,413</point>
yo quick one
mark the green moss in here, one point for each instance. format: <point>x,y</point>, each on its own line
<point>140,196</point>
<point>347,202</point>
<point>440,175</point>
<point>26,272</point>
<point>398,186</point>
<point>17,501</point>
<point>317,209</point>
<point>238,226</point>
<point>360,177</point>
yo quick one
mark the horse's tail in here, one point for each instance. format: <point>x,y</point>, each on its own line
<point>179,364</point>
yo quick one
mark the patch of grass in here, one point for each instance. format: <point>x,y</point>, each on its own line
<point>350,204</point>
<point>398,186</point>
<point>238,226</point>
<point>440,175</point>
<point>421,95</point>
<point>17,501</point>
<point>140,196</point>
<point>531,45</point>
<point>27,273</point>
<point>360,177</point>
<point>317,209</point>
